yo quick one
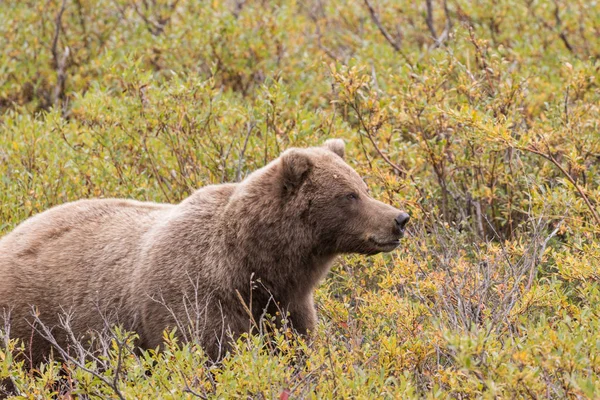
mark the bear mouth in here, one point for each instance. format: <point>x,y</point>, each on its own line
<point>385,244</point>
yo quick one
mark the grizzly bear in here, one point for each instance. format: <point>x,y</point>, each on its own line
<point>210,266</point>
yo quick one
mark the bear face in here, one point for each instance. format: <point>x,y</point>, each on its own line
<point>334,201</point>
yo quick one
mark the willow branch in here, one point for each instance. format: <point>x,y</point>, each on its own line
<point>579,189</point>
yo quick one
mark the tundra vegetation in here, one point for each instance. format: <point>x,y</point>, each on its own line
<point>480,118</point>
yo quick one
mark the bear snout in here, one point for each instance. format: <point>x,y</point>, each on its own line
<point>401,220</point>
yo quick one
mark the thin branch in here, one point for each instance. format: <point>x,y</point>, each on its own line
<point>57,30</point>
<point>239,6</point>
<point>250,127</point>
<point>429,19</point>
<point>561,33</point>
<point>567,106</point>
<point>383,31</point>
<point>370,136</point>
<point>394,43</point>
<point>60,60</point>
<point>579,189</point>
<point>155,27</point>
<point>541,253</point>
<point>188,389</point>
<point>448,26</point>
<point>49,336</point>
<point>321,46</point>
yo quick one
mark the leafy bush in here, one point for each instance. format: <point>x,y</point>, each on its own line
<point>480,118</point>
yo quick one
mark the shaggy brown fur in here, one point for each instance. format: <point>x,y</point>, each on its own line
<point>267,241</point>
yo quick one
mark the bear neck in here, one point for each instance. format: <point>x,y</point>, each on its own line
<point>268,243</point>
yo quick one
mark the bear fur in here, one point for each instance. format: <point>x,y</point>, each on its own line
<point>209,266</point>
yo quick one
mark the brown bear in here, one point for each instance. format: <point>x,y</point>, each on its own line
<point>211,266</point>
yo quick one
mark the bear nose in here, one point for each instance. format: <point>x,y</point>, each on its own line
<point>402,220</point>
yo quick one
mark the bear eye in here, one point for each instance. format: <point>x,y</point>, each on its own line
<point>352,196</point>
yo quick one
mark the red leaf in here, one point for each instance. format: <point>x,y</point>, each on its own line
<point>285,395</point>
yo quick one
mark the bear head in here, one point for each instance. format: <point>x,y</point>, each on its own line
<point>324,193</point>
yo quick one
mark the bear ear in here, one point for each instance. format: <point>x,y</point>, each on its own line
<point>335,145</point>
<point>296,165</point>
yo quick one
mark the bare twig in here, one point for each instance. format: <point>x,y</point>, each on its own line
<point>60,59</point>
<point>557,27</point>
<point>163,185</point>
<point>561,33</point>
<point>325,49</point>
<point>249,127</point>
<point>567,106</point>
<point>447,27</point>
<point>540,253</point>
<point>155,27</point>
<point>239,6</point>
<point>6,328</point>
<point>8,385</point>
<point>188,389</point>
<point>429,19</point>
<point>393,42</point>
<point>65,322</point>
<point>315,19</point>
<point>579,189</point>
<point>367,130</point>
<point>246,308</point>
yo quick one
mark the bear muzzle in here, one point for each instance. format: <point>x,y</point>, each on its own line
<point>389,242</point>
<point>401,220</point>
